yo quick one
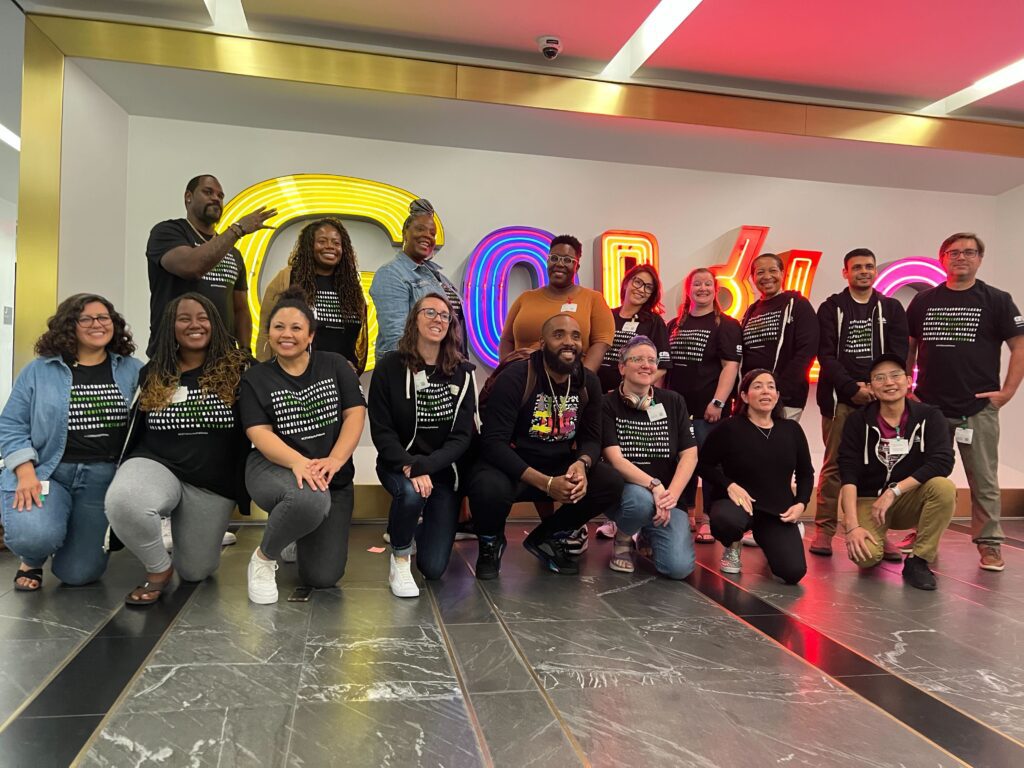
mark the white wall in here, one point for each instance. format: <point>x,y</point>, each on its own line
<point>93,191</point>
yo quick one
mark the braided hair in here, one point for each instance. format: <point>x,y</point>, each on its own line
<point>345,277</point>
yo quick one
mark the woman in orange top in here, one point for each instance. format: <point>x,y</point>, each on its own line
<point>560,296</point>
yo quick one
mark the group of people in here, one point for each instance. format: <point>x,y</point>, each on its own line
<point>592,411</point>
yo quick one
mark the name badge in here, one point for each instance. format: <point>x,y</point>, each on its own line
<point>419,380</point>
<point>45,491</point>
<point>180,395</point>
<point>899,446</point>
<point>631,326</point>
<point>964,436</point>
<point>568,308</point>
<point>657,412</point>
<point>454,389</point>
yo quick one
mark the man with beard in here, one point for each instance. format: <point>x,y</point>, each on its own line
<point>187,255</point>
<point>542,440</point>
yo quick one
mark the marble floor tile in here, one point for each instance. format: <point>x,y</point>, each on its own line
<point>460,600</point>
<point>544,596</point>
<point>521,731</point>
<point>354,610</point>
<point>488,660</point>
<point>27,664</point>
<point>52,613</point>
<point>384,734</point>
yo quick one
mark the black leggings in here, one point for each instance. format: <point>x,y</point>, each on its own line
<point>781,542</point>
<point>492,493</point>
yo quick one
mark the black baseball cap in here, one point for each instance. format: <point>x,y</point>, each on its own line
<point>887,357</point>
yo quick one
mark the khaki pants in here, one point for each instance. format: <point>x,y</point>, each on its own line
<point>826,514</point>
<point>981,463</point>
<point>929,508</point>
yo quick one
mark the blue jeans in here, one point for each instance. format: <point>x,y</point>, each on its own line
<point>672,543</point>
<point>435,536</point>
<point>70,525</point>
<point>701,429</point>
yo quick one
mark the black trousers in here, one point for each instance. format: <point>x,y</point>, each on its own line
<point>492,493</point>
<point>780,542</point>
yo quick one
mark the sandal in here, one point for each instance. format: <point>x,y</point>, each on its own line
<point>35,575</point>
<point>704,535</point>
<point>622,556</point>
<point>150,592</point>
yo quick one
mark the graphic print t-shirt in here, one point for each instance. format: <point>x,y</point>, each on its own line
<point>649,325</point>
<point>435,408</point>
<point>197,436</point>
<point>653,446</point>
<point>857,343</point>
<point>304,411</point>
<point>762,331</point>
<point>960,336</point>
<point>97,415</point>
<point>338,327</point>
<point>697,349</point>
<point>217,285</point>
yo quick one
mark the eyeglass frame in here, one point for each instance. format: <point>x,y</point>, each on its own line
<point>88,321</point>
<point>893,376</point>
<point>967,253</point>
<point>562,260</point>
<point>431,313</point>
<point>640,285</point>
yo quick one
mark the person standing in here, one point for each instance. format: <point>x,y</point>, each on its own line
<point>856,326</point>
<point>957,331</point>
<point>638,315</point>
<point>186,255</point>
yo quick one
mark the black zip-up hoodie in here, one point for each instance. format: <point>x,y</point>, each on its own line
<point>841,371</point>
<point>393,419</point>
<point>790,354</point>
<point>931,449</point>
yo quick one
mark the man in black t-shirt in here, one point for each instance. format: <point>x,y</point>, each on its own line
<point>188,255</point>
<point>957,331</point>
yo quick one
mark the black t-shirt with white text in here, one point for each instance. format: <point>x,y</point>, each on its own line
<point>959,338</point>
<point>304,411</point>
<point>697,348</point>
<point>647,324</point>
<point>651,444</point>
<point>337,327</point>
<point>435,408</point>
<point>218,285</point>
<point>197,436</point>
<point>97,415</point>
<point>857,345</point>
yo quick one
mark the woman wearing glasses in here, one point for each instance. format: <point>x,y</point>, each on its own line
<point>60,435</point>
<point>422,405</point>
<point>639,315</point>
<point>561,295</point>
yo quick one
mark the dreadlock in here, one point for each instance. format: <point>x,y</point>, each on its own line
<point>684,308</point>
<point>222,371</point>
<point>345,276</point>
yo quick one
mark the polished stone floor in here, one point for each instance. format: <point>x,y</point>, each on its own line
<point>533,669</point>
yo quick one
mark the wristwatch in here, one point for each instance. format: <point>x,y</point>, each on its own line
<point>894,487</point>
<point>717,403</point>
<point>653,484</point>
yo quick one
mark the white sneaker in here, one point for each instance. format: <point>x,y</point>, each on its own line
<point>165,533</point>
<point>400,578</point>
<point>800,527</point>
<point>229,539</point>
<point>607,530</point>
<point>262,579</point>
<point>748,540</point>
<point>289,554</point>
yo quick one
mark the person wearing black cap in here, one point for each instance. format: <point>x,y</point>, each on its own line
<point>894,463</point>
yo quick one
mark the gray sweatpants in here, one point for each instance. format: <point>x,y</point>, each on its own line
<point>317,521</point>
<point>142,492</point>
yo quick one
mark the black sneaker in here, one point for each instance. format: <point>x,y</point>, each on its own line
<point>552,553</point>
<point>917,573</point>
<point>577,541</point>
<point>488,559</point>
<point>464,531</point>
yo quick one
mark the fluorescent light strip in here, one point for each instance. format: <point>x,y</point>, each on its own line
<point>997,81</point>
<point>662,22</point>
<point>7,136</point>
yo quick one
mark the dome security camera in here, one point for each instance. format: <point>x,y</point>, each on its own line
<point>550,46</point>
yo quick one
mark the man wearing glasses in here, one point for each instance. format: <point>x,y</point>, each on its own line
<point>957,331</point>
<point>894,463</point>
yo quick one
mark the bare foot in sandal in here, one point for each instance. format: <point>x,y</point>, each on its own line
<point>28,579</point>
<point>622,554</point>
<point>149,593</point>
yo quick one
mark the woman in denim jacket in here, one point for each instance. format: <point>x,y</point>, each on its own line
<point>61,433</point>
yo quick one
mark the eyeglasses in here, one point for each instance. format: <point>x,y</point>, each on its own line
<point>881,378</point>
<point>640,359</point>
<point>563,261</point>
<point>642,286</point>
<point>432,313</point>
<point>87,321</point>
<point>967,253</point>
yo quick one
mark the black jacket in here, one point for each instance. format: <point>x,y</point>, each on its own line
<point>790,356</point>
<point>393,419</point>
<point>931,449</point>
<point>839,373</point>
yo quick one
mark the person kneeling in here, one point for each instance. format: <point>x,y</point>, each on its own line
<point>750,461</point>
<point>422,408</point>
<point>894,463</point>
<point>541,440</point>
<point>649,440</point>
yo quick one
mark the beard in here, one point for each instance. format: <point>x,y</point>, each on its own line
<point>557,364</point>
<point>211,214</point>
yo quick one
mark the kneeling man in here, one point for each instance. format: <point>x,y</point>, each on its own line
<point>894,463</point>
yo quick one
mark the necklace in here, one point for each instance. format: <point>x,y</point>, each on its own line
<point>199,234</point>
<point>559,407</point>
<point>765,433</point>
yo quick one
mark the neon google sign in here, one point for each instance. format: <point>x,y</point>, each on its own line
<point>485,282</point>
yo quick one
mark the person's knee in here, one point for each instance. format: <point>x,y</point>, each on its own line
<point>432,568</point>
<point>34,542</point>
<point>636,507</point>
<point>941,490</point>
<point>195,571</point>
<point>80,573</point>
<point>728,522</point>
<point>677,567</point>
<point>868,562</point>
<point>306,503</point>
<point>322,577</point>
<point>792,573</point>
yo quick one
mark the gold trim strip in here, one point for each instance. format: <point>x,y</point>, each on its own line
<point>38,236</point>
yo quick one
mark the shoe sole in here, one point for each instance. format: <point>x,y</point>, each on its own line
<point>411,594</point>
<point>551,565</point>
<point>729,569</point>
<point>465,537</point>
<point>820,551</point>
<point>260,600</point>
<point>995,568</point>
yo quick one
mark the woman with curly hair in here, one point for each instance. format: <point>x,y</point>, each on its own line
<point>60,435</point>
<point>638,315</point>
<point>323,264</point>
<point>185,449</point>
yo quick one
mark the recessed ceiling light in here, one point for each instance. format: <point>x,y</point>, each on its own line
<point>662,22</point>
<point>997,81</point>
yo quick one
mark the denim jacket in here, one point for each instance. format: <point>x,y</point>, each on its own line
<point>395,288</point>
<point>34,423</point>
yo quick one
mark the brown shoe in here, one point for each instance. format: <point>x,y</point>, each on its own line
<point>822,544</point>
<point>991,557</point>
